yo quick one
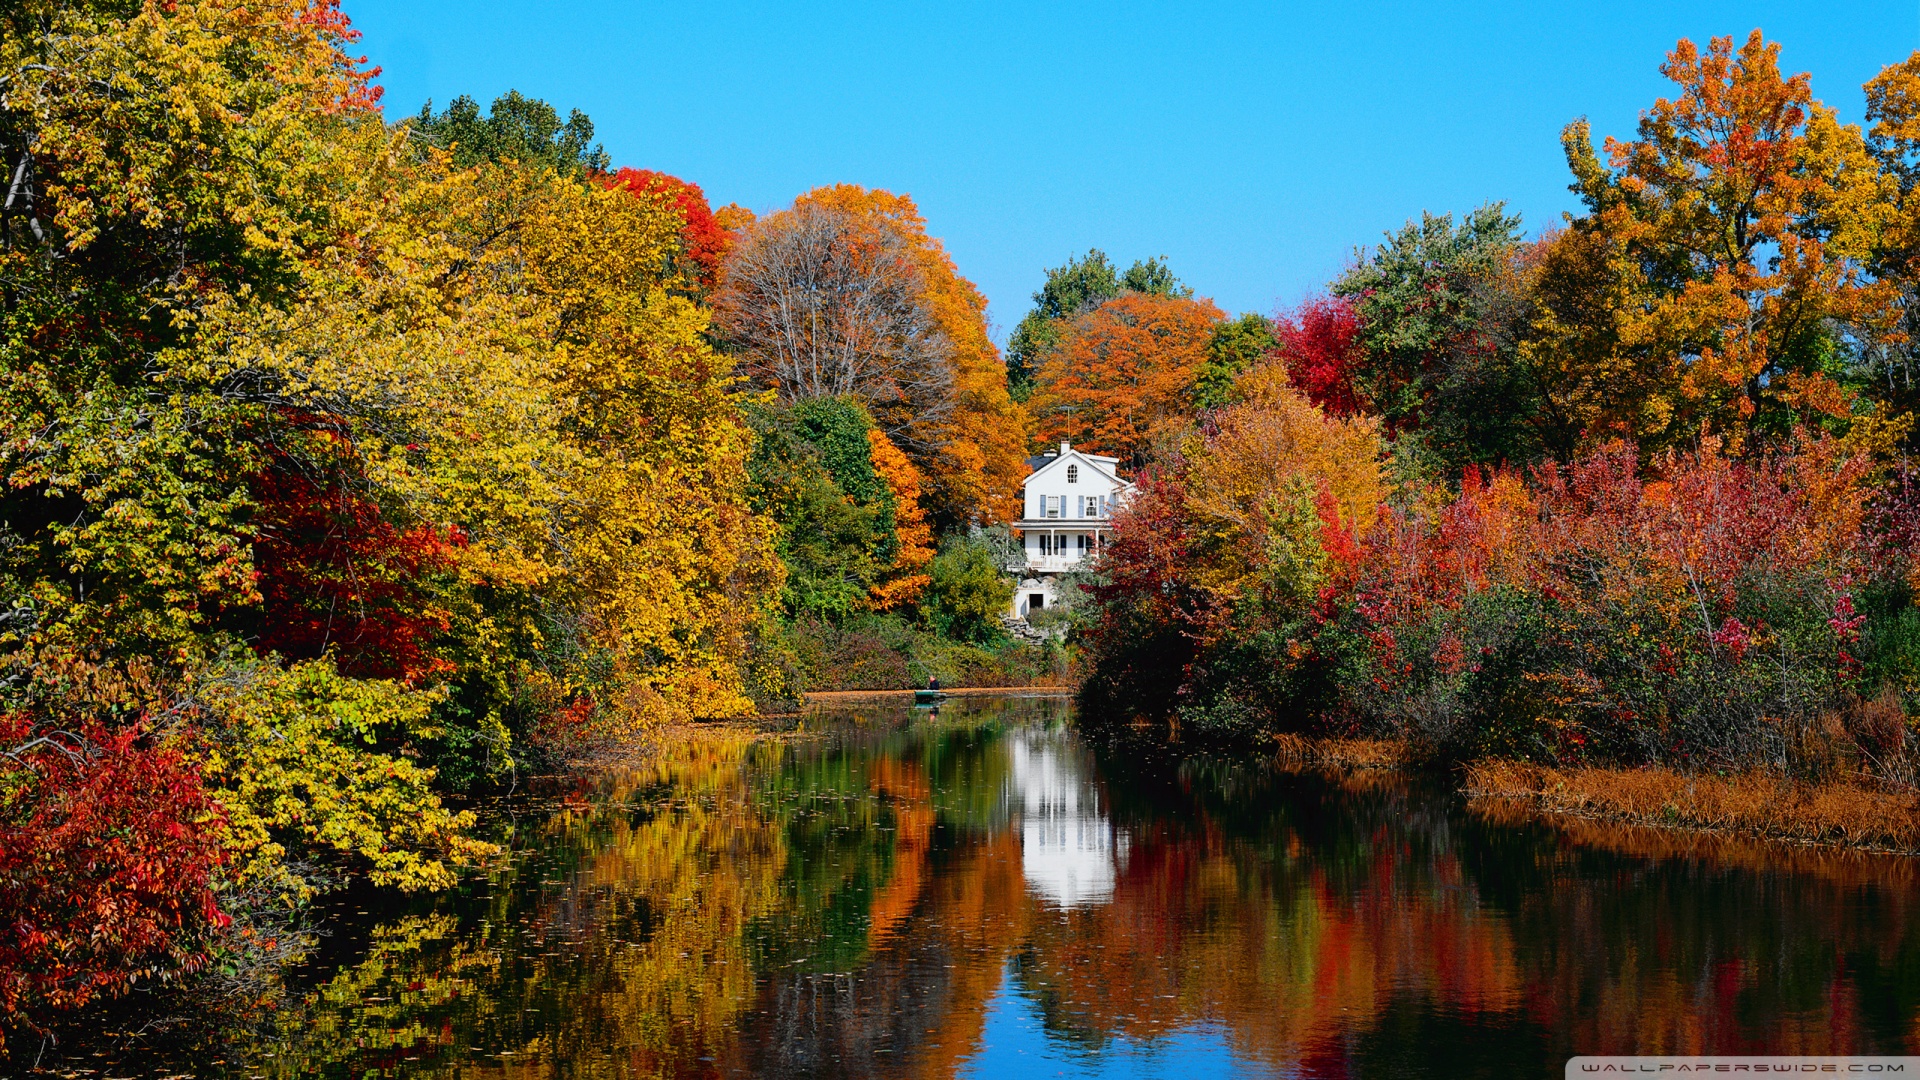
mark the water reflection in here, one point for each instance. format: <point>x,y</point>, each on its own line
<point>982,895</point>
<point>1069,853</point>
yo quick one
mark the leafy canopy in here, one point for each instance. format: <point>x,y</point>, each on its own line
<point>516,128</point>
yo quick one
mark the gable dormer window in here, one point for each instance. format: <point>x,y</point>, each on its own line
<point>1073,474</point>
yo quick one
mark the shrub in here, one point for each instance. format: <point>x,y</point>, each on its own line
<point>109,844</point>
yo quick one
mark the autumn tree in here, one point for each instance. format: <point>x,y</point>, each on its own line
<point>1890,346</point>
<point>1069,290</point>
<point>1731,239</point>
<point>913,547</point>
<point>818,304</point>
<point>847,294</point>
<point>703,240</point>
<point>1122,374</point>
<point>1319,343</point>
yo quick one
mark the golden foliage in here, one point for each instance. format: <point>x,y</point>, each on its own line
<point>1256,447</point>
<point>289,756</point>
<point>521,373</point>
<point>1719,243</point>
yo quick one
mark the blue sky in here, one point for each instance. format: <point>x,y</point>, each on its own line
<point>1253,145</point>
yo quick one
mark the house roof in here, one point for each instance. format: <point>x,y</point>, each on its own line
<point>1105,464</point>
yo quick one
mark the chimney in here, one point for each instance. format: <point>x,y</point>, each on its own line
<point>1064,447</point>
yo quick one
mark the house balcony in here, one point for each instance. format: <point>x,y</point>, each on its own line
<point>1065,524</point>
<point>1051,564</point>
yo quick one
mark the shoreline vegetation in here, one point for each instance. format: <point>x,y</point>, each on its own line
<point>359,464</point>
<point>1842,812</point>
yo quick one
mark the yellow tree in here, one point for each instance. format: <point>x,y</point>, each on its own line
<point>515,367</point>
<point>1893,349</point>
<point>1253,478</point>
<point>1727,236</point>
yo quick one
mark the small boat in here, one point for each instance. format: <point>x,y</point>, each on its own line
<point>929,697</point>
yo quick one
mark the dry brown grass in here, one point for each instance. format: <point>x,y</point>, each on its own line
<point>1341,753</point>
<point>1759,804</point>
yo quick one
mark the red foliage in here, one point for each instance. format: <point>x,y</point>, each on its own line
<point>1338,538</point>
<point>1317,342</point>
<point>335,574</point>
<point>1147,561</point>
<point>107,855</point>
<point>704,241</point>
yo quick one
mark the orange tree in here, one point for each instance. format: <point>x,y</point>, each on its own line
<point>846,293</point>
<point>976,471</point>
<point>1122,375</point>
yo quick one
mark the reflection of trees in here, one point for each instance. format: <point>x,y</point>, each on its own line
<point>619,946</point>
<point>850,906</point>
<point>1363,924</point>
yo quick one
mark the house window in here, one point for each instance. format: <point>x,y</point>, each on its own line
<point>1093,506</point>
<point>1073,474</point>
<point>1054,504</point>
<point>1084,538</point>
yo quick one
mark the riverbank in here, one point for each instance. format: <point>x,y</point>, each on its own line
<point>1837,813</point>
<point>827,697</point>
<point>1842,813</point>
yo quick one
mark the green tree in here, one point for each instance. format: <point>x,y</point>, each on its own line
<point>517,128</point>
<point>812,473</point>
<point>1439,307</point>
<point>969,592</point>
<point>1234,347</point>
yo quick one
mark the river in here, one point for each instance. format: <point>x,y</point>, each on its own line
<point>979,892</point>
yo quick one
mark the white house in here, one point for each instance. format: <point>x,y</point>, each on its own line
<point>1069,500</point>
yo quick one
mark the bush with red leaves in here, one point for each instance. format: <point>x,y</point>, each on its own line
<point>335,574</point>
<point>108,847</point>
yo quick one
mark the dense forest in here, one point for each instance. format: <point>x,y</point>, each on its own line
<point>354,465</point>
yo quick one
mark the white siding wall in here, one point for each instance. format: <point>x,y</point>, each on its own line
<point>1049,486</point>
<point>1071,511</point>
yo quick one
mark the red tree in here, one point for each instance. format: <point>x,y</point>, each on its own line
<point>1317,341</point>
<point>335,574</point>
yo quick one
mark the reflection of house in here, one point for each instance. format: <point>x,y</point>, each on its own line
<point>1069,852</point>
<point>1069,499</point>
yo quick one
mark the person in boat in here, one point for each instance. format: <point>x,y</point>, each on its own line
<point>933,685</point>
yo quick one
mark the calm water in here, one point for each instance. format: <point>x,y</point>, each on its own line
<point>982,894</point>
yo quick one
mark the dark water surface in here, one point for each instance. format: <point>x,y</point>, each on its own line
<point>983,894</point>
